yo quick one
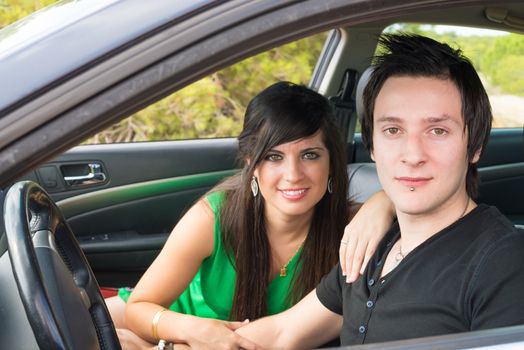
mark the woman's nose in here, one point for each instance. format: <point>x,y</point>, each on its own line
<point>293,171</point>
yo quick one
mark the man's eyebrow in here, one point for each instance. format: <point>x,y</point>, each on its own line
<point>443,118</point>
<point>388,119</point>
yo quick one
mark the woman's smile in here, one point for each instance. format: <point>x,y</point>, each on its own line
<point>294,194</point>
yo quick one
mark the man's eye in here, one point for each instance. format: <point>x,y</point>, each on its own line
<point>392,131</point>
<point>273,157</point>
<point>310,155</point>
<point>439,131</point>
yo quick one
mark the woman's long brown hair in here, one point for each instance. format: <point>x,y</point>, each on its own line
<point>282,113</point>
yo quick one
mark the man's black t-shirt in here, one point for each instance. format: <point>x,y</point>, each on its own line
<point>469,276</point>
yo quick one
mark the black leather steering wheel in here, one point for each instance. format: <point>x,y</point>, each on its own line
<point>59,291</point>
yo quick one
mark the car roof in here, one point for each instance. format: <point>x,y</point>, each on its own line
<point>62,38</point>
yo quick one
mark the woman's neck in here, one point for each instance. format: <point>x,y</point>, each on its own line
<point>285,229</point>
<point>285,239</point>
<point>285,234</point>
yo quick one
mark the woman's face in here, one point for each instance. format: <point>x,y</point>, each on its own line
<point>293,177</point>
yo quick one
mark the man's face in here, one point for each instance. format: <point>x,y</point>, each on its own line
<point>420,144</point>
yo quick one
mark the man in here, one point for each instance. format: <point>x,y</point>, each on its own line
<point>448,265</point>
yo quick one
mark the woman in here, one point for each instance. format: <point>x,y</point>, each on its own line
<point>262,239</point>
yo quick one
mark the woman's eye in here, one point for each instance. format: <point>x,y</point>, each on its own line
<point>439,131</point>
<point>392,131</point>
<point>310,155</point>
<point>273,157</point>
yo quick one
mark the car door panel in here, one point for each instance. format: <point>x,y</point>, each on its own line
<point>503,186</point>
<point>130,163</point>
<point>501,172</point>
<point>503,147</point>
<point>122,222</point>
<point>123,228</point>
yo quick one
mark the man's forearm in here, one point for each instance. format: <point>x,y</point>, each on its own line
<point>265,332</point>
<point>306,325</point>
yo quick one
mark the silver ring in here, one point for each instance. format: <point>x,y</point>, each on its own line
<point>343,242</point>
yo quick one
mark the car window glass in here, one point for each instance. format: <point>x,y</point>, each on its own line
<point>214,106</point>
<point>497,56</point>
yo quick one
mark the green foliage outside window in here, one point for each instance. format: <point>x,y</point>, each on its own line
<point>215,105</point>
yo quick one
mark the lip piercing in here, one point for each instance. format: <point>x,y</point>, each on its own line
<point>412,189</point>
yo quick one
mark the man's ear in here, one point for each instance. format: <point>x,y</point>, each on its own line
<point>476,156</point>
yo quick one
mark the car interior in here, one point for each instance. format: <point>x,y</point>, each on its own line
<point>135,192</point>
<point>122,199</point>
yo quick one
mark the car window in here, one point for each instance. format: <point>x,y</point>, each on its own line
<point>214,106</point>
<point>498,57</point>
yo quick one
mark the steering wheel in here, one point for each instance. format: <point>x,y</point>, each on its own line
<point>58,290</point>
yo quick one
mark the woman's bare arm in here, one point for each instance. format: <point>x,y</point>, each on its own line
<point>191,241</point>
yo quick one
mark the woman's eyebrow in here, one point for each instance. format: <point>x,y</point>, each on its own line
<point>318,148</point>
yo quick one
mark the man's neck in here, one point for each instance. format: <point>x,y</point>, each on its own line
<point>415,229</point>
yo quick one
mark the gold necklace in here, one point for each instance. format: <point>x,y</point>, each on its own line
<point>283,268</point>
<point>399,256</point>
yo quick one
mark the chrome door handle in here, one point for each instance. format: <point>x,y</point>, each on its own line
<point>94,176</point>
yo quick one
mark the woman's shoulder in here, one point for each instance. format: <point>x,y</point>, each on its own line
<point>215,198</point>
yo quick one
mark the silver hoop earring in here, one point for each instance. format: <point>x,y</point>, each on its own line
<point>330,185</point>
<point>254,186</point>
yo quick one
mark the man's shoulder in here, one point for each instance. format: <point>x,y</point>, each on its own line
<point>488,220</point>
<point>486,234</point>
<point>496,234</point>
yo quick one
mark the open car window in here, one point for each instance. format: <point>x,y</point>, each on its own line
<point>214,106</point>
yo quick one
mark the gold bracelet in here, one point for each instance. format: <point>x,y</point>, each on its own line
<point>154,324</point>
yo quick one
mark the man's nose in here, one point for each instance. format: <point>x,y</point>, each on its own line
<point>413,152</point>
